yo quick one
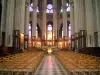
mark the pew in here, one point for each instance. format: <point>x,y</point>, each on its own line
<point>95,51</point>
<point>21,64</point>
<point>79,64</point>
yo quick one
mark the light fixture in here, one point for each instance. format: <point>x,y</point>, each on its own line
<point>22,35</point>
<point>49,50</point>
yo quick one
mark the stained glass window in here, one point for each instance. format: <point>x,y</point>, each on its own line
<point>49,8</point>
<point>31,8</point>
<point>49,32</point>
<point>49,27</point>
<point>69,28</point>
<point>36,32</point>
<point>68,8</point>
<point>61,10</point>
<point>62,32</point>
<point>29,30</point>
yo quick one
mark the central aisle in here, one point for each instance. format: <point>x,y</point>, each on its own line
<point>50,66</point>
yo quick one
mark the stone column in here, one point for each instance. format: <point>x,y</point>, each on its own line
<point>72,17</point>
<point>58,23</point>
<point>58,27</point>
<point>54,20</point>
<point>98,20</point>
<point>82,25</point>
<point>0,23</point>
<point>76,15</point>
<point>26,28</point>
<point>95,27</point>
<point>9,23</point>
<point>34,21</point>
<point>3,22</point>
<point>72,23</point>
<point>22,15</point>
<point>76,23</point>
<point>22,19</point>
<point>64,13</point>
<point>16,32</point>
<point>44,7</point>
<point>40,13</point>
<point>19,15</point>
<point>19,24</point>
<point>89,23</point>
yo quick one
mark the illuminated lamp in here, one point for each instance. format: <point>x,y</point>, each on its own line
<point>49,50</point>
<point>22,38</point>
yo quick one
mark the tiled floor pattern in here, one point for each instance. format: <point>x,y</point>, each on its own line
<point>50,66</point>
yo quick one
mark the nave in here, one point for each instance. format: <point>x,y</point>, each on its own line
<point>50,66</point>
<point>42,63</point>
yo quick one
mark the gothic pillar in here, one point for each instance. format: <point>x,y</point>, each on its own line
<point>76,23</point>
<point>9,23</point>
<point>0,22</point>
<point>95,44</point>
<point>58,24</point>
<point>54,21</point>
<point>76,15</point>
<point>72,24</point>
<point>22,19</point>
<point>40,13</point>
<point>22,14</point>
<point>72,16</point>
<point>64,13</point>
<point>82,25</point>
<point>3,22</point>
<point>26,28</point>
<point>89,23</point>
<point>18,40</point>
<point>44,7</point>
<point>34,21</point>
<point>58,27</point>
<point>98,21</point>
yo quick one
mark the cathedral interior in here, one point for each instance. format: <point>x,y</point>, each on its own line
<point>49,37</point>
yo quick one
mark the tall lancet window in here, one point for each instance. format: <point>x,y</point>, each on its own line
<point>69,29</point>
<point>62,32</point>
<point>30,34</point>
<point>36,32</point>
<point>30,30</point>
<point>49,32</point>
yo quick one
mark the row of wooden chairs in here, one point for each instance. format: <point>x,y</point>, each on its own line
<point>79,63</point>
<point>20,64</point>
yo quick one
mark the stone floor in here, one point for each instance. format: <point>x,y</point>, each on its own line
<point>50,66</point>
